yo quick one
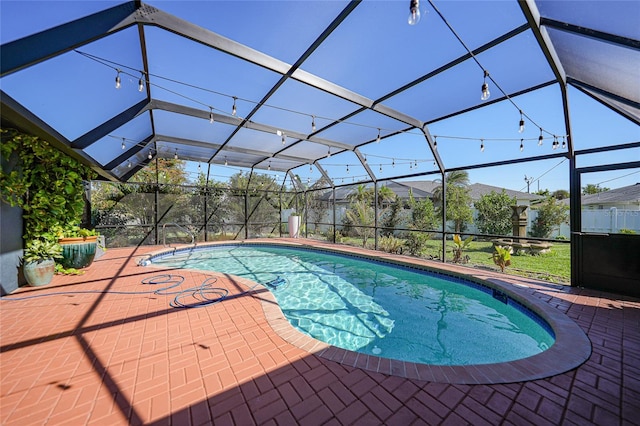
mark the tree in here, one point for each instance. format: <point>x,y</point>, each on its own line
<point>458,199</point>
<point>593,189</point>
<point>560,194</point>
<point>459,207</point>
<point>551,214</point>
<point>423,217</point>
<point>362,193</point>
<point>263,201</point>
<point>458,178</point>
<point>134,203</point>
<point>494,213</point>
<point>361,216</point>
<point>392,216</point>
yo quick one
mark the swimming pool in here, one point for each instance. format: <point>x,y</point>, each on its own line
<point>382,309</point>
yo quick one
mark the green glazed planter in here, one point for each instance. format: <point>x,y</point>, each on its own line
<point>78,252</point>
<point>39,273</point>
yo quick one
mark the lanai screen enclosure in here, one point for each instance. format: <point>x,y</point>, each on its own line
<point>324,94</point>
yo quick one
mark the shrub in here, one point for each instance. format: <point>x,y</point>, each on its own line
<point>391,244</point>
<point>550,214</point>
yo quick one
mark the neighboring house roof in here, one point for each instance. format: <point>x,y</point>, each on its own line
<point>480,189</point>
<point>626,194</point>
<point>399,188</point>
<point>425,188</point>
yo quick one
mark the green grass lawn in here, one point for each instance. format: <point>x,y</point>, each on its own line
<point>554,266</point>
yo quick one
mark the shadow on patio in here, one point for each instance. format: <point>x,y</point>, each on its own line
<point>97,358</point>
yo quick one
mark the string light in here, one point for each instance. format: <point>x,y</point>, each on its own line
<point>269,166</point>
<point>150,156</point>
<point>234,111</point>
<point>225,161</point>
<point>435,142</point>
<point>521,125</point>
<point>123,145</point>
<point>485,87</point>
<point>365,159</point>
<point>211,115</point>
<point>378,138</point>
<point>141,82</point>
<point>393,163</point>
<point>540,138</point>
<point>175,156</point>
<point>284,139</point>
<point>564,143</point>
<point>347,169</point>
<point>329,152</point>
<point>313,124</point>
<point>481,145</point>
<point>310,168</point>
<point>414,12</point>
<point>380,167</point>
<point>199,168</point>
<point>555,142</point>
<point>521,145</point>
<point>129,164</point>
<point>485,94</point>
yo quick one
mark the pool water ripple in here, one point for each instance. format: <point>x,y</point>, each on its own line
<point>381,309</point>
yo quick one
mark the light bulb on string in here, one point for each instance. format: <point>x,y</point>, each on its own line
<point>485,87</point>
<point>310,168</point>
<point>393,163</point>
<point>313,124</point>
<point>521,145</point>
<point>435,142</point>
<point>564,142</point>
<point>555,142</point>
<point>141,82</point>
<point>416,164</point>
<point>211,115</point>
<point>284,139</point>
<point>225,161</point>
<point>269,166</point>
<point>540,138</point>
<point>378,138</point>
<point>199,167</point>
<point>365,159</point>
<point>123,145</point>
<point>150,156</point>
<point>234,110</point>
<point>329,152</point>
<point>481,145</point>
<point>521,124</point>
<point>175,156</point>
<point>347,169</point>
<point>118,80</point>
<point>380,167</point>
<point>129,164</point>
<point>414,12</point>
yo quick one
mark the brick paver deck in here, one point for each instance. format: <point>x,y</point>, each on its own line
<point>109,359</point>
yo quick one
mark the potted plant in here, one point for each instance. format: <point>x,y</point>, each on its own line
<point>294,225</point>
<point>78,246</point>
<point>39,261</point>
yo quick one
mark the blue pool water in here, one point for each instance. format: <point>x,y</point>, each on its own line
<point>382,309</point>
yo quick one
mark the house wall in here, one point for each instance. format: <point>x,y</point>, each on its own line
<point>10,247</point>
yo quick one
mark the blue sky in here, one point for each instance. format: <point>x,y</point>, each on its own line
<point>374,52</point>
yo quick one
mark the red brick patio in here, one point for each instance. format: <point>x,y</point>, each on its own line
<point>110,359</point>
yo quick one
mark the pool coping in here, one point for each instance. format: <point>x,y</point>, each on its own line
<point>571,348</point>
